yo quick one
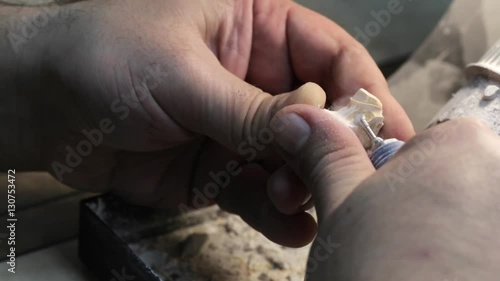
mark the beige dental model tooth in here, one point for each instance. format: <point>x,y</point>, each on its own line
<point>362,103</point>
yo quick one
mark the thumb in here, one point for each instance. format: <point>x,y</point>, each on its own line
<point>324,153</point>
<point>246,116</point>
<point>227,109</point>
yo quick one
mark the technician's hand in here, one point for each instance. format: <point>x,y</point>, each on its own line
<point>431,213</point>
<point>167,91</point>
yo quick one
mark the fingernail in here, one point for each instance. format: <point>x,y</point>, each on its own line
<point>295,133</point>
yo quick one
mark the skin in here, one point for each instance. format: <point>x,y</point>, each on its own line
<point>221,70</point>
<point>431,213</point>
<point>222,64</point>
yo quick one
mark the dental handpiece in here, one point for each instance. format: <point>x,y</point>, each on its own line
<point>382,150</point>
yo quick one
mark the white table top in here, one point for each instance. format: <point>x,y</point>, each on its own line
<point>56,263</point>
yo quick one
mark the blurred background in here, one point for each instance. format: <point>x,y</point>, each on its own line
<point>395,42</point>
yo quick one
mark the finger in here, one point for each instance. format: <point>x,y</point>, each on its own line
<point>332,58</point>
<point>269,66</point>
<point>324,153</point>
<point>287,192</point>
<point>241,189</point>
<point>156,179</point>
<point>214,172</point>
<point>214,102</point>
<point>247,197</point>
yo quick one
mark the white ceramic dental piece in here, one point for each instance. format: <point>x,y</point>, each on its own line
<point>363,102</point>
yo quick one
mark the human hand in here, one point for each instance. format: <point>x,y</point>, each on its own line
<point>431,213</point>
<point>176,87</point>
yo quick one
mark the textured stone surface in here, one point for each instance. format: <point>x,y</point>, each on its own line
<point>224,248</point>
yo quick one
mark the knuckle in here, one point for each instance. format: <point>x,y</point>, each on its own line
<point>471,124</point>
<point>456,129</point>
<point>252,114</point>
<point>449,138</point>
